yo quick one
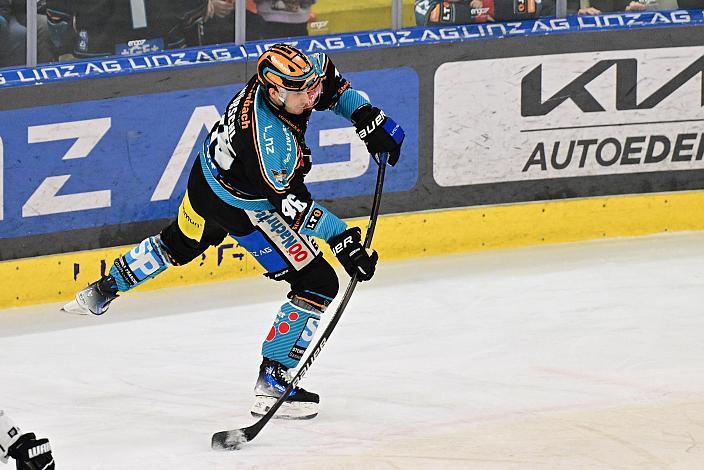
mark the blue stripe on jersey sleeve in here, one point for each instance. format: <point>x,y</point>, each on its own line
<point>322,223</point>
<point>350,100</point>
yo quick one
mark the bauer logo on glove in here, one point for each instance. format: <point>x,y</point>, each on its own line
<point>380,133</point>
<point>353,257</point>
<point>371,127</point>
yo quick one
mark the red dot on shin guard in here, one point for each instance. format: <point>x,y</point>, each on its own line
<point>284,328</point>
<point>293,316</point>
<point>272,334</point>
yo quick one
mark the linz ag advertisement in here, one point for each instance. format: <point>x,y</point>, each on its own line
<point>127,159</point>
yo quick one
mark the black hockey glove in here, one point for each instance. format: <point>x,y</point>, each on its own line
<point>379,132</point>
<point>354,258</point>
<point>31,453</point>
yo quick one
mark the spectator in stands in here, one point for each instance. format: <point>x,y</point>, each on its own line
<point>280,19</point>
<point>108,27</point>
<point>590,7</point>
<point>266,19</point>
<point>61,33</point>
<point>219,26</point>
<point>435,12</point>
<point>12,37</point>
<point>597,7</point>
<point>647,5</point>
<point>690,4</point>
<point>13,33</point>
<point>254,21</point>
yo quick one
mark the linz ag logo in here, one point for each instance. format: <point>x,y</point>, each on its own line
<point>626,84</point>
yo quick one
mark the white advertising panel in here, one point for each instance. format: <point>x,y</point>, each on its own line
<point>567,115</point>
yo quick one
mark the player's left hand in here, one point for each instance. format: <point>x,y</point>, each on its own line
<point>348,248</point>
<point>31,453</point>
<point>379,132</point>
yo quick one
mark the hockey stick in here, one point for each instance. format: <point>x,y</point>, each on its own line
<point>234,439</point>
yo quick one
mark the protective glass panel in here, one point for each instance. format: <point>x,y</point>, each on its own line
<point>273,19</point>
<point>80,29</point>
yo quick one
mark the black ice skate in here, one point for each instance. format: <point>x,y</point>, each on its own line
<point>94,299</point>
<point>273,380</point>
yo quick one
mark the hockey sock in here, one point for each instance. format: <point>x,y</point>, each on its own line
<point>293,330</point>
<point>145,261</point>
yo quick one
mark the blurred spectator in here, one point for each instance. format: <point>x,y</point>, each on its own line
<point>590,7</point>
<point>254,21</point>
<point>280,19</point>
<point>12,37</point>
<point>109,27</point>
<point>690,4</point>
<point>13,33</point>
<point>434,12</point>
<point>219,26</point>
<point>266,19</point>
<point>647,5</point>
<point>60,16</point>
<point>597,7</point>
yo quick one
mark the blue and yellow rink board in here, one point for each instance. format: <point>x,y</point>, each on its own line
<point>56,278</point>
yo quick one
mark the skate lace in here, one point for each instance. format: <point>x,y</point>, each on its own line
<point>286,376</point>
<point>282,375</point>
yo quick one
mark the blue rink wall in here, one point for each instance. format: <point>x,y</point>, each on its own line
<point>521,133</point>
<point>109,162</point>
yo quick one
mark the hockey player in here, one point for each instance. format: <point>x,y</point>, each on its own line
<point>248,182</point>
<point>29,452</point>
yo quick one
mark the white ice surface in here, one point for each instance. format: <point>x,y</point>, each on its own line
<point>562,357</point>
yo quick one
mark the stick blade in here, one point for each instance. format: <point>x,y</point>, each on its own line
<point>229,440</point>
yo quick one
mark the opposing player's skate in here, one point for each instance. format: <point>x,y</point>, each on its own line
<point>94,299</point>
<point>271,383</point>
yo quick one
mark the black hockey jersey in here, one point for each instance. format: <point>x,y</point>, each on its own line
<point>255,156</point>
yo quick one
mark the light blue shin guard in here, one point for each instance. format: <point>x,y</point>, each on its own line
<point>293,330</point>
<point>143,262</point>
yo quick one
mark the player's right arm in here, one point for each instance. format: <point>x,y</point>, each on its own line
<point>379,132</point>
<point>29,452</point>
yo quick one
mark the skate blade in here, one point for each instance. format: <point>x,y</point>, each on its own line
<point>288,410</point>
<point>75,308</point>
